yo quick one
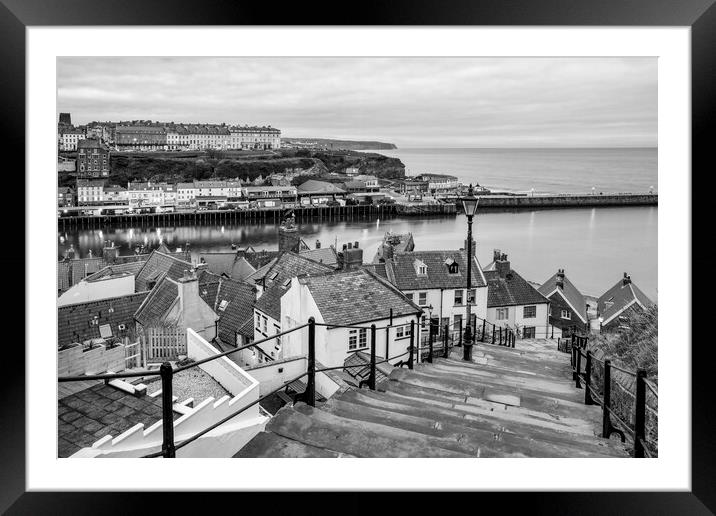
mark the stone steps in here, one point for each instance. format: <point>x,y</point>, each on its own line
<point>507,403</point>
<point>446,413</point>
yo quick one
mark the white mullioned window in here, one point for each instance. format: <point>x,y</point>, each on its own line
<point>566,314</point>
<point>529,312</point>
<point>422,298</point>
<point>503,313</point>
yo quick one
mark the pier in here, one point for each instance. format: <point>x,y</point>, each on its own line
<point>449,207</point>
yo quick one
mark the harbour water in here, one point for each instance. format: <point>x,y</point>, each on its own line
<point>546,170</point>
<point>595,246</point>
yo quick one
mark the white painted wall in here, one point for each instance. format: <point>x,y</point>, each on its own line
<point>515,319</point>
<point>443,303</point>
<point>86,291</point>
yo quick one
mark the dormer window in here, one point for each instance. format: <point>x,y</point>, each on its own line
<point>451,266</point>
<point>420,268</point>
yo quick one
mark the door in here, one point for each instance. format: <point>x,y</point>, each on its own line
<point>528,332</point>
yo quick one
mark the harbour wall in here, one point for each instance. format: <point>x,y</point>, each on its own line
<point>346,213</point>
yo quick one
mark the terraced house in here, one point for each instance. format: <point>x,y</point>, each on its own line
<point>512,302</point>
<point>437,282</point>
<point>567,306</point>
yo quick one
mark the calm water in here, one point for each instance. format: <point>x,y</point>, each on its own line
<point>545,170</point>
<point>595,246</point>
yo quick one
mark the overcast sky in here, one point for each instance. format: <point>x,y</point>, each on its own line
<point>412,102</point>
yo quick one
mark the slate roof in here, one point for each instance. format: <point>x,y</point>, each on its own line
<point>162,297</point>
<point>75,322</point>
<point>319,187</point>
<point>351,297</point>
<point>116,270</point>
<point>288,265</point>
<point>401,270</point>
<point>573,296</point>
<point>511,290</point>
<point>238,310</point>
<point>230,263</point>
<point>157,266</point>
<point>258,259</point>
<point>324,255</point>
<point>88,415</point>
<point>377,268</point>
<point>621,295</point>
<point>363,373</point>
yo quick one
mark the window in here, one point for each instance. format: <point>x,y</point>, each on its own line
<point>458,297</point>
<point>471,296</point>
<point>265,323</point>
<point>422,321</point>
<point>503,313</point>
<point>357,339</point>
<point>457,321</point>
<point>422,298</point>
<point>566,314</point>
<point>422,270</point>
<point>222,306</point>
<point>529,312</point>
<point>362,338</point>
<point>452,268</point>
<point>402,331</point>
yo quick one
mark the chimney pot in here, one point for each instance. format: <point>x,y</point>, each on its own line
<point>355,245</point>
<point>350,246</point>
<point>318,244</point>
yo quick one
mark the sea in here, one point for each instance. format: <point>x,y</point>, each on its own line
<point>595,246</point>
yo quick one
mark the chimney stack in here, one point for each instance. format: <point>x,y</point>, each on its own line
<point>288,237</point>
<point>318,244</point>
<point>496,255</point>
<point>351,258</point>
<point>502,265</point>
<point>109,252</point>
<point>626,279</point>
<point>560,278</point>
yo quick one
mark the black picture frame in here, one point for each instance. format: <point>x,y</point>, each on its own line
<point>700,15</point>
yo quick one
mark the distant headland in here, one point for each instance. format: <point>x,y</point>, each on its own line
<point>327,143</point>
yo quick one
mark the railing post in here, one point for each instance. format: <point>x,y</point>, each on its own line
<point>640,414</point>
<point>445,341</point>
<point>587,379</point>
<point>500,335</point>
<point>574,361</point>
<point>371,382</point>
<point>460,337</point>
<point>482,337</point>
<point>493,333</point>
<point>412,344</point>
<point>387,342</point>
<point>430,342</point>
<point>578,383</point>
<point>606,398</point>
<point>168,449</point>
<point>311,383</point>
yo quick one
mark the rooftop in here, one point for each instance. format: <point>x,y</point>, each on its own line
<point>88,415</point>
<point>357,296</point>
<point>619,297</point>
<point>403,272</point>
<point>567,290</point>
<point>319,187</point>
<point>156,267</point>
<point>276,277</point>
<point>82,321</point>
<point>510,289</point>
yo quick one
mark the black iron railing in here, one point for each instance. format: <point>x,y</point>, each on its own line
<point>594,375</point>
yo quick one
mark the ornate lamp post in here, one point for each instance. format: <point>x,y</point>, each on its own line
<point>469,203</point>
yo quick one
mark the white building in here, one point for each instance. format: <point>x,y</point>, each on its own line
<point>68,139</point>
<point>437,282</point>
<point>253,137</point>
<point>272,282</point>
<point>513,303</point>
<point>90,191</point>
<point>188,192</point>
<point>151,194</point>
<point>356,298</point>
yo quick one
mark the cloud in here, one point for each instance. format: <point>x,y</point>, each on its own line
<point>441,102</point>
